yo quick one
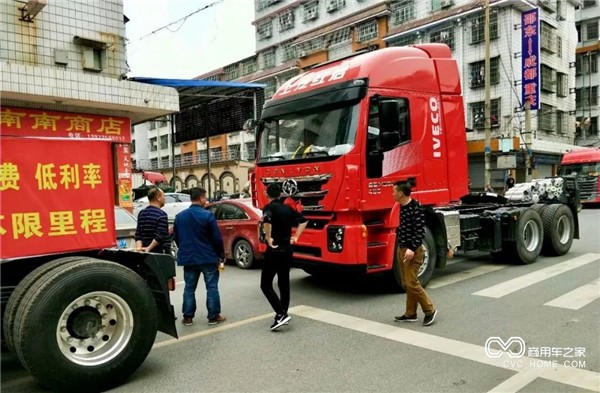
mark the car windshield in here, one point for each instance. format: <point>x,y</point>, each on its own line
<point>586,169</point>
<point>123,218</point>
<point>293,136</point>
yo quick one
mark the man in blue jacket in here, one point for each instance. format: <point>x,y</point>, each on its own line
<point>200,249</point>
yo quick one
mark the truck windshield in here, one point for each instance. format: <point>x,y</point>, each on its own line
<point>584,169</point>
<point>328,132</point>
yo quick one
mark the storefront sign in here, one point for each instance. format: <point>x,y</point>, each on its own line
<point>530,58</point>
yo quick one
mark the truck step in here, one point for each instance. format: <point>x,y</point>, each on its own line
<point>373,223</point>
<point>373,267</point>
<point>376,244</point>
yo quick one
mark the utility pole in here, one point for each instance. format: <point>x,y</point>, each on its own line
<point>487,149</point>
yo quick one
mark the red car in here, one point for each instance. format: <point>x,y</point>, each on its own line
<point>238,221</point>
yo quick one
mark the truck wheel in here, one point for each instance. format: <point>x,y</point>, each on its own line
<point>243,255</point>
<point>559,229</point>
<point>426,269</point>
<point>529,236</point>
<point>86,326</point>
<point>19,293</point>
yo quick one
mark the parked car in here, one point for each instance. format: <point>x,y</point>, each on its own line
<point>126,224</point>
<point>238,221</point>
<point>174,203</point>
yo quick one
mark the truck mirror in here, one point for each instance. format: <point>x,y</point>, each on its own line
<point>389,121</point>
<point>249,124</point>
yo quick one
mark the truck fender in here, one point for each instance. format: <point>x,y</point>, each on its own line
<point>435,223</point>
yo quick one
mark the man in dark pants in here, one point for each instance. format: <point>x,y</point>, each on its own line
<point>152,231</point>
<point>200,249</point>
<point>278,219</point>
<point>411,254</point>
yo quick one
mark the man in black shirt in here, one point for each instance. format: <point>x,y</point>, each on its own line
<point>152,232</point>
<point>411,255</point>
<point>278,219</point>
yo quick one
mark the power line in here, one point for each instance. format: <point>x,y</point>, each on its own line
<point>182,20</point>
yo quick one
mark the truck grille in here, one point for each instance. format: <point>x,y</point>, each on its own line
<point>307,189</point>
<point>588,187</point>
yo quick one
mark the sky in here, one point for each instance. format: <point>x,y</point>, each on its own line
<point>212,38</point>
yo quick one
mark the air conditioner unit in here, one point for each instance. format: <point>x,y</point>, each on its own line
<point>331,7</point>
<point>310,15</point>
<point>445,3</point>
<point>302,53</point>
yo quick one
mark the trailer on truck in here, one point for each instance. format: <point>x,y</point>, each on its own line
<point>79,313</point>
<point>340,135</point>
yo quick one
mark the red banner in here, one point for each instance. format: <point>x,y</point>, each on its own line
<point>36,122</point>
<point>56,196</point>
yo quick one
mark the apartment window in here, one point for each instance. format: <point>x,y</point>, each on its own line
<point>215,154</point>
<point>547,118</point>
<point>94,59</point>
<point>286,20</point>
<point>560,122</point>
<point>578,28</point>
<point>164,141</point>
<point>591,29</point>
<point>586,63</point>
<point>152,125</point>
<point>478,114</point>
<point>270,88</point>
<point>477,31</point>
<point>202,157</point>
<point>153,146</point>
<point>333,5</point>
<point>310,11</point>
<point>154,163</point>
<point>367,31</point>
<point>404,40</point>
<point>233,152</point>
<point>559,47</point>
<point>289,51</point>
<point>249,66</point>
<point>548,40</point>
<point>589,3</point>
<point>562,84</point>
<point>231,71</point>
<point>165,162</point>
<point>444,36</point>
<point>477,72</point>
<point>188,158</point>
<point>262,4</point>
<point>251,150</point>
<point>264,29</point>
<point>437,5</point>
<point>268,58</point>
<point>339,36</point>
<point>403,11</point>
<point>593,97</point>
<point>548,83</point>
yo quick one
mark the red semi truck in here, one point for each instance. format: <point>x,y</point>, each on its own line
<point>80,314</point>
<point>340,135</point>
<point>585,165</point>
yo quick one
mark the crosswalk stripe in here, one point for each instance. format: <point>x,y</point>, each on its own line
<point>578,377</point>
<point>463,275</point>
<point>510,286</point>
<point>579,297</point>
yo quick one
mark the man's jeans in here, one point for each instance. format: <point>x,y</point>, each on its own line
<point>191,275</point>
<point>410,281</point>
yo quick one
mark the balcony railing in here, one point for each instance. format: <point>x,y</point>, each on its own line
<point>189,161</point>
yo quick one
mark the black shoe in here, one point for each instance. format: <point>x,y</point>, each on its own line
<point>429,318</point>
<point>187,321</point>
<point>404,318</point>
<point>280,320</point>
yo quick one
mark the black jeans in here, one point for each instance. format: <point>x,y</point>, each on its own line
<point>277,262</point>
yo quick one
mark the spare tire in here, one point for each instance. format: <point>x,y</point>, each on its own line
<point>559,229</point>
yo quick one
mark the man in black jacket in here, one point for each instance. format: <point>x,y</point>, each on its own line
<point>278,219</point>
<point>411,253</point>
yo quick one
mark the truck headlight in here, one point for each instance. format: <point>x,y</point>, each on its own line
<point>335,238</point>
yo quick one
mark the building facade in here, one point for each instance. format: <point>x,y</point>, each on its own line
<point>587,17</point>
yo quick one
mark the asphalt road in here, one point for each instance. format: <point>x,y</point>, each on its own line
<point>342,337</point>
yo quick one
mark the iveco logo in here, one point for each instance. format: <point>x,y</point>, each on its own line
<point>290,187</point>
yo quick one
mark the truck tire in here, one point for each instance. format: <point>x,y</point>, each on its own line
<point>243,255</point>
<point>559,229</point>
<point>85,327</point>
<point>529,237</point>
<point>18,294</point>
<point>426,269</point>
